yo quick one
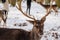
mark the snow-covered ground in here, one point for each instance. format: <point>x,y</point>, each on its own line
<point>51,25</point>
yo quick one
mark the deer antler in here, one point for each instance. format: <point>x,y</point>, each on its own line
<point>49,9</point>
<point>44,17</point>
<point>25,14</point>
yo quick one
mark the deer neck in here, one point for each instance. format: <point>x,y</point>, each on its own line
<point>34,34</point>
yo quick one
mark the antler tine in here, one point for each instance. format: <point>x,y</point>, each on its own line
<point>25,14</point>
<point>49,9</point>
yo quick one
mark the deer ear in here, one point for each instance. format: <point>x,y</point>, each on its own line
<point>31,21</point>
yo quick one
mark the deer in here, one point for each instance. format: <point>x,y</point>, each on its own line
<point>4,12</point>
<point>38,25</point>
<point>54,7</point>
<point>3,1</point>
<point>19,34</point>
<point>14,34</point>
<point>3,16</point>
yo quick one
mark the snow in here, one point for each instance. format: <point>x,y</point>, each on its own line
<point>52,21</point>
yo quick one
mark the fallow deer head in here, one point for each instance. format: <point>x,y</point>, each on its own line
<point>38,25</point>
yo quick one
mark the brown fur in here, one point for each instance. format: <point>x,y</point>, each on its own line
<point>14,34</point>
<point>1,15</point>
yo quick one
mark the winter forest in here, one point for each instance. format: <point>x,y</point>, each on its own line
<point>29,19</point>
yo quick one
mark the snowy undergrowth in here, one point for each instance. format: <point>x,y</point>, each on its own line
<point>51,25</point>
